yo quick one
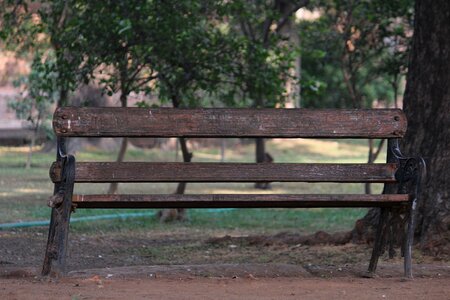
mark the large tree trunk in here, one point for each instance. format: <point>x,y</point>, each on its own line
<point>427,106</point>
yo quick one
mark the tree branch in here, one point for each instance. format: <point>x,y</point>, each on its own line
<point>266,30</point>
<point>285,17</point>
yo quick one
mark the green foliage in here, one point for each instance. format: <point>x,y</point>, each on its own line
<point>50,28</point>
<point>113,39</point>
<point>194,55</point>
<point>354,53</point>
<point>18,28</point>
<point>202,53</point>
<point>190,53</point>
<point>266,56</point>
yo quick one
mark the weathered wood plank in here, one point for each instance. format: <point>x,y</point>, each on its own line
<point>227,172</point>
<point>238,200</point>
<point>223,122</point>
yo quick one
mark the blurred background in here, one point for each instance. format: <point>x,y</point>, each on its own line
<point>149,53</point>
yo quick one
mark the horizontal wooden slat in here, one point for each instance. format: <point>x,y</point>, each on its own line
<point>227,172</point>
<point>237,200</point>
<point>223,122</point>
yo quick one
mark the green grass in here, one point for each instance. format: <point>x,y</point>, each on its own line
<point>24,193</point>
<point>253,220</point>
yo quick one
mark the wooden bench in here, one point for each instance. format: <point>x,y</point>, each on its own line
<point>401,175</point>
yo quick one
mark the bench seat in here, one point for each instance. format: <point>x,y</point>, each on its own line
<point>98,172</point>
<point>238,200</point>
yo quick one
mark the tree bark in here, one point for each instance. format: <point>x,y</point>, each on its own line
<point>427,106</point>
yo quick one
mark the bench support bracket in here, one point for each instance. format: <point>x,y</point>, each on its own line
<point>412,172</point>
<point>409,175</point>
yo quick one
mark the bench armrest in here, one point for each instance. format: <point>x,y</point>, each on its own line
<point>411,170</point>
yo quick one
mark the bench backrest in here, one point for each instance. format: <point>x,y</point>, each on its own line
<point>223,122</point>
<point>167,122</point>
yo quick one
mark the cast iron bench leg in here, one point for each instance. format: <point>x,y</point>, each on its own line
<point>379,238</point>
<point>55,254</point>
<point>410,238</point>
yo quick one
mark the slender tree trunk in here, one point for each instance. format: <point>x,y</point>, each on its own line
<point>30,150</point>
<point>395,89</point>
<point>370,160</point>
<point>427,106</point>
<point>168,215</point>
<point>113,187</point>
<point>222,150</point>
<point>260,150</point>
<point>298,69</point>
<point>293,87</point>
<point>63,98</point>
<point>187,157</point>
<point>372,157</point>
<point>260,153</point>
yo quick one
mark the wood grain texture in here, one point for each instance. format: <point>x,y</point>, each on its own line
<point>227,172</point>
<point>238,200</point>
<point>223,122</point>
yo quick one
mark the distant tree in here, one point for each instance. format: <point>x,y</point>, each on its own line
<point>354,54</point>
<point>49,27</point>
<point>351,51</point>
<point>195,60</point>
<point>115,38</point>
<point>267,56</point>
<point>38,93</point>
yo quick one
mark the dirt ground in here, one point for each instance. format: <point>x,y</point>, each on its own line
<point>194,265</point>
<point>227,282</point>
